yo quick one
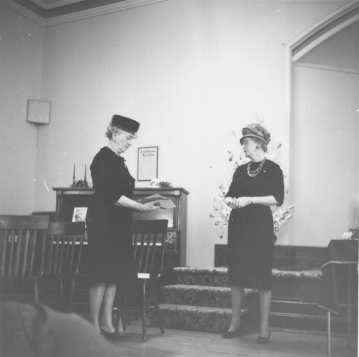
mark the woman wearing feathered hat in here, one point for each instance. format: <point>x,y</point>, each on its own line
<point>256,186</point>
<point>109,219</point>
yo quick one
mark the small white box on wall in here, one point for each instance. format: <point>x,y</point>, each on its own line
<point>38,111</point>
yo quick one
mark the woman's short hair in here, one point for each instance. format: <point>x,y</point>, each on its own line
<point>111,130</point>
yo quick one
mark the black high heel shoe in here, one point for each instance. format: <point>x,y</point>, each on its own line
<point>264,339</point>
<point>106,331</point>
<point>240,331</point>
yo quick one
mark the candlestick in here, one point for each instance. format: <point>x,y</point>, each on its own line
<point>74,175</point>
<point>85,176</point>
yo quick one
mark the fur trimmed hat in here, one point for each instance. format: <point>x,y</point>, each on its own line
<point>124,123</point>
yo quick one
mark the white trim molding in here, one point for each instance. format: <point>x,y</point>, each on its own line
<point>26,12</point>
<point>327,68</point>
<point>53,4</point>
<point>336,22</point>
<point>53,20</point>
<point>101,10</point>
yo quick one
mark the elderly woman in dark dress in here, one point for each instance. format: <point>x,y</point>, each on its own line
<point>255,187</point>
<point>111,263</point>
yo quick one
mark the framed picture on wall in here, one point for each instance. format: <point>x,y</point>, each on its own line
<point>147,163</point>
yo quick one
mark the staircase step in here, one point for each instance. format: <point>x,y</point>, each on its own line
<point>214,319</point>
<point>288,284</point>
<point>209,277</point>
<point>219,276</point>
<point>200,299</point>
<point>198,295</point>
<point>220,296</point>
<point>199,318</point>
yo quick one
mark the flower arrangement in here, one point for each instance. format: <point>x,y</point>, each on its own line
<point>220,211</point>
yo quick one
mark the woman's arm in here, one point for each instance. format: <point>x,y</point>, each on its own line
<point>126,202</point>
<point>256,200</point>
<point>274,192</point>
<point>114,194</point>
<point>233,192</point>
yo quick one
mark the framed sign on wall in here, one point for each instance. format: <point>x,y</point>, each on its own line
<point>147,163</point>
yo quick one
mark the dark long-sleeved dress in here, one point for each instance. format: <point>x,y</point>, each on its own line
<point>250,229</point>
<point>109,226</point>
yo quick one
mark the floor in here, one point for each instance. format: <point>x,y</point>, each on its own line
<point>178,343</point>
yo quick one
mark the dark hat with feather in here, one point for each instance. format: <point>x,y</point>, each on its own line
<point>256,131</point>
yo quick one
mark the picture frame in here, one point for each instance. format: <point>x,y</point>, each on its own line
<point>147,163</point>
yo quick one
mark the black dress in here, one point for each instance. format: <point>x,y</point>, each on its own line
<point>250,229</point>
<point>109,226</point>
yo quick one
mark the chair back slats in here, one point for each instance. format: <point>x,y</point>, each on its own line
<point>34,256</point>
<point>32,253</point>
<point>19,242</point>
<point>42,251</point>
<point>65,242</point>
<point>136,238</point>
<point>49,254</point>
<point>11,240</point>
<point>26,252</point>
<point>18,250</point>
<point>3,252</point>
<point>30,245</point>
<point>81,240</point>
<point>148,242</point>
<point>156,255</point>
<point>147,252</point>
<point>57,249</point>
<point>140,250</point>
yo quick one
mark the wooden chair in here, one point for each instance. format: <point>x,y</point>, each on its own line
<point>64,252</point>
<point>149,252</point>
<point>22,248</point>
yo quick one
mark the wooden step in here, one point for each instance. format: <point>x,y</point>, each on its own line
<point>214,319</point>
<point>198,295</point>
<point>289,284</point>
<point>199,318</point>
<point>220,296</point>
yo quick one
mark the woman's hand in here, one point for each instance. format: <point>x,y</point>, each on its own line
<point>137,206</point>
<point>149,206</point>
<point>230,202</point>
<point>238,202</point>
<point>243,202</point>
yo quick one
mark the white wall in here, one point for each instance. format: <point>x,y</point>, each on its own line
<point>21,42</point>
<point>326,143</point>
<point>190,71</point>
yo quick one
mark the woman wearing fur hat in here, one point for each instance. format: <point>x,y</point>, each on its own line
<point>256,186</point>
<point>109,220</point>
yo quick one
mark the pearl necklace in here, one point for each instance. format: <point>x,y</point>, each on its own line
<point>254,172</point>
